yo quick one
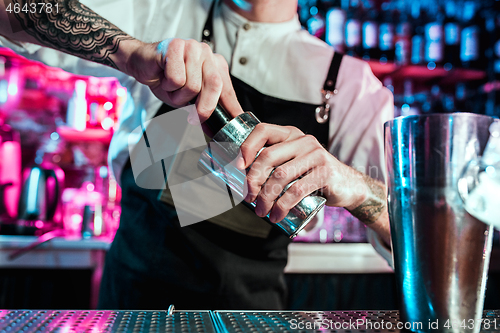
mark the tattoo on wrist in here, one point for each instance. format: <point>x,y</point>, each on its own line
<point>373,207</point>
<point>73,28</point>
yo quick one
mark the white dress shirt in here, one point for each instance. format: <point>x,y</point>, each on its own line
<point>282,60</point>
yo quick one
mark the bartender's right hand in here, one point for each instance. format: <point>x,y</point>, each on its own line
<point>178,70</point>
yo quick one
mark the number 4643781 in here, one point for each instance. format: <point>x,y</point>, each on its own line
<point>471,324</point>
<point>33,8</point>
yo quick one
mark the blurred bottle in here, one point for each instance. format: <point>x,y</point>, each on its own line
<point>335,24</point>
<point>451,36</point>
<point>304,7</point>
<point>388,83</point>
<point>402,41</point>
<point>460,97</point>
<point>470,36</point>
<point>417,39</point>
<point>436,100</point>
<point>353,29</point>
<point>386,33</point>
<point>76,117</point>
<point>448,103</point>
<point>492,40</point>
<point>434,42</point>
<point>10,171</point>
<point>496,48</point>
<point>370,34</point>
<point>410,107</point>
<point>316,23</point>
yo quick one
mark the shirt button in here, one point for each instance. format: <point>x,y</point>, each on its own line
<point>243,60</point>
<point>247,26</point>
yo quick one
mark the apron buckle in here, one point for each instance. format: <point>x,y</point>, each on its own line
<point>322,112</point>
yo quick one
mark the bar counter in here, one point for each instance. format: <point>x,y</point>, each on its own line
<point>304,258</point>
<point>66,253</point>
<point>216,321</point>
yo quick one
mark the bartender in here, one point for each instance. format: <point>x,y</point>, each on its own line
<point>267,64</point>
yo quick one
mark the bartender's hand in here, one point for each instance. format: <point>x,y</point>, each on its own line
<point>292,154</point>
<point>178,70</point>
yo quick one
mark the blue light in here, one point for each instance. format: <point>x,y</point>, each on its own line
<point>12,89</point>
<point>431,66</point>
<point>313,11</point>
<point>490,171</point>
<point>54,136</point>
<point>245,5</point>
<point>3,91</point>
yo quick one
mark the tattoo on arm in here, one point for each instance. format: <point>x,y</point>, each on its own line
<point>73,28</point>
<point>373,207</point>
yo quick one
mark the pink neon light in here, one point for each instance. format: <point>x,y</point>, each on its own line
<point>10,172</point>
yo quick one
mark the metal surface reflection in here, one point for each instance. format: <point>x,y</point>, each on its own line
<point>224,149</point>
<point>441,253</point>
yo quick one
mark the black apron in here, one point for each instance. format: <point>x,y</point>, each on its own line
<point>153,262</point>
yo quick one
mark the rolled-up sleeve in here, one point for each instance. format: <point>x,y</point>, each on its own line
<point>359,111</point>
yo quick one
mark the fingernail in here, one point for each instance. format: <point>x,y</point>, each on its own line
<point>258,211</point>
<point>240,162</point>
<point>249,198</point>
<point>273,218</point>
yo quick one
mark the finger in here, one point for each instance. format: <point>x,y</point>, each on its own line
<point>228,98</point>
<point>175,68</point>
<point>276,156</point>
<point>266,135</point>
<point>193,62</point>
<point>294,194</point>
<point>284,174</point>
<point>211,87</point>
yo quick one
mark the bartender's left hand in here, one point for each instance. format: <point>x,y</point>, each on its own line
<point>294,154</point>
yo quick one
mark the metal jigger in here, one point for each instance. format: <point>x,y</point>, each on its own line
<point>221,153</point>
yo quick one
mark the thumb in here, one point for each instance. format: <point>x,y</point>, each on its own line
<point>228,98</point>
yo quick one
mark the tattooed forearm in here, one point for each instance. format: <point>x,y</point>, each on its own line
<point>73,28</point>
<point>373,207</point>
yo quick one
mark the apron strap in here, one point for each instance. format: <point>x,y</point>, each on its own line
<point>322,112</point>
<point>333,72</point>
<point>207,33</point>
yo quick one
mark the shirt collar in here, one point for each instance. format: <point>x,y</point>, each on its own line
<point>276,28</point>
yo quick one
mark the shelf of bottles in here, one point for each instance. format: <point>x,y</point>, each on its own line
<point>434,55</point>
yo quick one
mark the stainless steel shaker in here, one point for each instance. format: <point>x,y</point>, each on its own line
<point>220,154</point>
<point>441,253</point>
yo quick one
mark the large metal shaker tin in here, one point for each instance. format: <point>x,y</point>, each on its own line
<point>219,157</point>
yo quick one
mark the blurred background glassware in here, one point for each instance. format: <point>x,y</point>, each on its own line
<point>441,253</point>
<point>337,226</point>
<point>10,172</point>
<point>11,83</point>
<point>40,194</point>
<point>479,185</point>
<point>92,210</point>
